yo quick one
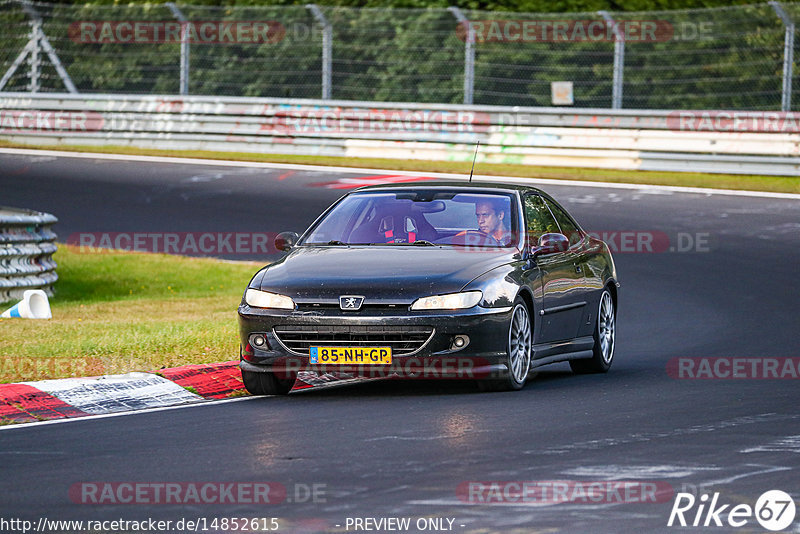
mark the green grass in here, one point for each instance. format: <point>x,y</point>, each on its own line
<point>115,312</point>
<point>782,184</point>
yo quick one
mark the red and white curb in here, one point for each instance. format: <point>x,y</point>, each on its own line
<point>27,402</point>
<point>115,393</point>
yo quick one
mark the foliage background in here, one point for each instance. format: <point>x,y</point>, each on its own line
<point>722,55</point>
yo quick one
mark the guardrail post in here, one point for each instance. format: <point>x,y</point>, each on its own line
<point>327,49</point>
<point>34,59</point>
<point>469,54</point>
<point>619,61</point>
<point>788,55</point>
<point>184,76</point>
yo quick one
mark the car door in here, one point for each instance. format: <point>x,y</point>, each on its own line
<point>561,283</point>
<point>587,282</point>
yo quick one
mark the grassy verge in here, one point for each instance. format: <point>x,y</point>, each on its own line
<point>116,312</point>
<point>782,184</point>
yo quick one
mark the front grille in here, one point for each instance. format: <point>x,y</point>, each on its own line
<point>365,306</point>
<point>404,340</point>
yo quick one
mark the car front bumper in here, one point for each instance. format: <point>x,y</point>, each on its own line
<point>483,356</point>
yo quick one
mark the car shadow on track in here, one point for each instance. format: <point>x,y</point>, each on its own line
<point>397,388</point>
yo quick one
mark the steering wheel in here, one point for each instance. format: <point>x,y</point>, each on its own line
<point>483,239</point>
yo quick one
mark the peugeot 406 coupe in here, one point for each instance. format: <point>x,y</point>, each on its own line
<point>478,281</point>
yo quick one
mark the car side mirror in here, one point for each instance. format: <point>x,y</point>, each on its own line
<point>286,240</point>
<point>550,243</point>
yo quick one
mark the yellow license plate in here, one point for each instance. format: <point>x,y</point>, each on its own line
<point>351,355</point>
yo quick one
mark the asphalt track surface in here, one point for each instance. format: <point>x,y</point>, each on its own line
<point>402,449</point>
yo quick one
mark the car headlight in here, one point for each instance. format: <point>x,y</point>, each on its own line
<point>264,299</point>
<point>453,301</point>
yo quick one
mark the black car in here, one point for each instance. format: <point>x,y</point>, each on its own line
<point>444,280</point>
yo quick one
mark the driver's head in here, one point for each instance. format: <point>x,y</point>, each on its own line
<point>490,219</point>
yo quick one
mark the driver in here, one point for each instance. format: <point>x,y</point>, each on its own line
<point>491,221</point>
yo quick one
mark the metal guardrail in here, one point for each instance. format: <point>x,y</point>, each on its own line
<point>27,244</point>
<point>599,138</point>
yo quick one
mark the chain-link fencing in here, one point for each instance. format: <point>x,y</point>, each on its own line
<point>723,58</point>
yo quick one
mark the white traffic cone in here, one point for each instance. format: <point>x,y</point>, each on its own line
<point>34,305</point>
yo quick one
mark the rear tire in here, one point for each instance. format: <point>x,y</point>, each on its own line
<point>605,331</point>
<point>518,352</point>
<point>266,383</point>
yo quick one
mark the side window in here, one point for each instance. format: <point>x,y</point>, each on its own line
<point>538,219</point>
<point>568,227</point>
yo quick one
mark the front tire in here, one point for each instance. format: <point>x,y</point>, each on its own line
<point>605,331</point>
<point>266,383</point>
<point>518,352</point>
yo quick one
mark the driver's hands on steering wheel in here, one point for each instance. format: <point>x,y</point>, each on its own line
<point>484,239</point>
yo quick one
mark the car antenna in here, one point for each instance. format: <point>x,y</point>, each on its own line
<point>473,161</point>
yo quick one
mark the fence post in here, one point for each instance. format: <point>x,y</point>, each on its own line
<point>619,61</point>
<point>469,54</point>
<point>788,55</point>
<point>14,66</point>
<point>327,49</point>
<point>184,76</point>
<point>34,59</point>
<point>36,44</point>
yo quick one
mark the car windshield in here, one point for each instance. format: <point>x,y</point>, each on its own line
<point>419,218</point>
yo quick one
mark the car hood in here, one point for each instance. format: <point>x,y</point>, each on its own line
<point>380,273</point>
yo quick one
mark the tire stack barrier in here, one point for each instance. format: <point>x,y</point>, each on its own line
<point>27,244</point>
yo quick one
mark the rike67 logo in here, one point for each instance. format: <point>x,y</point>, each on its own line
<point>774,510</point>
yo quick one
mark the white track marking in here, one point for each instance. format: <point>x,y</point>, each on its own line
<point>786,444</point>
<point>643,472</point>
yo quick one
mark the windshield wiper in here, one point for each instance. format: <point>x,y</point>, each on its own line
<point>335,242</point>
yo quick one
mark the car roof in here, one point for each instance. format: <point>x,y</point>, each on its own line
<point>453,185</point>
